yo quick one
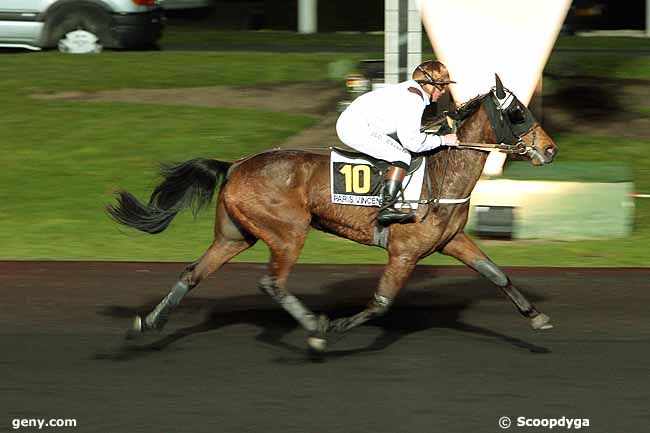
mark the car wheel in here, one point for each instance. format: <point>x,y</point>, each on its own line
<point>81,30</point>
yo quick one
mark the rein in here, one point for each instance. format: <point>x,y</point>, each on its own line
<point>519,148</point>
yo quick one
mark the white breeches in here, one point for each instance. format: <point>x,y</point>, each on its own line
<point>355,131</point>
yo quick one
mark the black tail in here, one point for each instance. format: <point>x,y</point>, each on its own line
<point>189,184</point>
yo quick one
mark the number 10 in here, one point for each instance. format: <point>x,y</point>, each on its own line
<point>357,178</point>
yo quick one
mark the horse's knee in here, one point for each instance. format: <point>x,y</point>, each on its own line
<point>491,271</point>
<point>380,305</point>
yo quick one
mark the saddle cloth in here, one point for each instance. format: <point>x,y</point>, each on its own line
<point>356,179</point>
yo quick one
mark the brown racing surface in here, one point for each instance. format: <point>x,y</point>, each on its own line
<point>451,356</point>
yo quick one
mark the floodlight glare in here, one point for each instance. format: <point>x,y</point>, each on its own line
<point>478,38</point>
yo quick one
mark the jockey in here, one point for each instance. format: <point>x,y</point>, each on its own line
<point>371,122</point>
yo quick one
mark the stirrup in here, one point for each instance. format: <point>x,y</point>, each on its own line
<point>391,216</point>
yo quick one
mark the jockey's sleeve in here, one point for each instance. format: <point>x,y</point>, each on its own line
<point>408,126</point>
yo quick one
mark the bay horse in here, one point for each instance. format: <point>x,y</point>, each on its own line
<point>276,196</point>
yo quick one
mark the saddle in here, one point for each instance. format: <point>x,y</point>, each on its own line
<point>357,179</point>
<point>381,165</point>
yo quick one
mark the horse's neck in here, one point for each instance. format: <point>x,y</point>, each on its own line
<point>454,172</point>
<point>460,169</point>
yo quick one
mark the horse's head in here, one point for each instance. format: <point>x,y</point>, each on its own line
<point>515,126</point>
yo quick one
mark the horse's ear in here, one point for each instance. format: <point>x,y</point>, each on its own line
<point>500,92</point>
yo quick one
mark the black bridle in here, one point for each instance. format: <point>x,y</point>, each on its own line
<point>519,120</point>
<point>511,122</point>
<point>505,111</point>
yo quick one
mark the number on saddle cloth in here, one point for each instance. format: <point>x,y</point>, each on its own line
<point>356,179</point>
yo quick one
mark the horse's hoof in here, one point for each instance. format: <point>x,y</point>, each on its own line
<point>136,329</point>
<point>317,344</point>
<point>541,321</point>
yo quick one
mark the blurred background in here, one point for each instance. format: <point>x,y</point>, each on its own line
<point>177,79</point>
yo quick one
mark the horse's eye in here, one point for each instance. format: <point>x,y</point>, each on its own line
<point>516,115</point>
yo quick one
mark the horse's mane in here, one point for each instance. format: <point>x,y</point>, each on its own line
<point>459,114</point>
<point>467,109</point>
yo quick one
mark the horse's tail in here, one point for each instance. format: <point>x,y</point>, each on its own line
<point>189,184</point>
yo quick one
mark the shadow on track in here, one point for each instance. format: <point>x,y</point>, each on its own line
<point>419,309</point>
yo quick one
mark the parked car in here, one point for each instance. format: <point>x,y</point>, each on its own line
<point>80,25</point>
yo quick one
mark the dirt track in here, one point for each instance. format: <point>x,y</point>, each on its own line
<point>452,356</point>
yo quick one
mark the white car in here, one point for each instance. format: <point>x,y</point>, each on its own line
<point>79,25</point>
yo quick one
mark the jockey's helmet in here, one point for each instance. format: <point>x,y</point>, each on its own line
<point>432,72</point>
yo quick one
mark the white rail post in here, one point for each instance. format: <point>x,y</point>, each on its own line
<point>307,16</point>
<point>402,39</point>
<point>647,18</point>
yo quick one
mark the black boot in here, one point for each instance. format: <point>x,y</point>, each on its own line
<point>392,186</point>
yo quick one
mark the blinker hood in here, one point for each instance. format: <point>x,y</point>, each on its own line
<point>505,130</point>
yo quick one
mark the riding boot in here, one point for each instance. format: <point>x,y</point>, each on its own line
<point>392,187</point>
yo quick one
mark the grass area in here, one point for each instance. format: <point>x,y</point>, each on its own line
<point>602,43</point>
<point>573,171</point>
<point>50,71</point>
<point>190,34</point>
<point>62,160</point>
<point>62,173</point>
<point>562,62</point>
<point>606,66</point>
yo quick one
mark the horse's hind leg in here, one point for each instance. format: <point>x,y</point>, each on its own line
<point>275,282</point>
<point>285,236</point>
<point>228,242</point>
<point>464,249</point>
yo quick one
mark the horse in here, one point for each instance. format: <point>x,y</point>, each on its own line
<point>276,196</point>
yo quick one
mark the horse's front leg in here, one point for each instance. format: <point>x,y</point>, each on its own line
<point>395,275</point>
<point>465,250</point>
